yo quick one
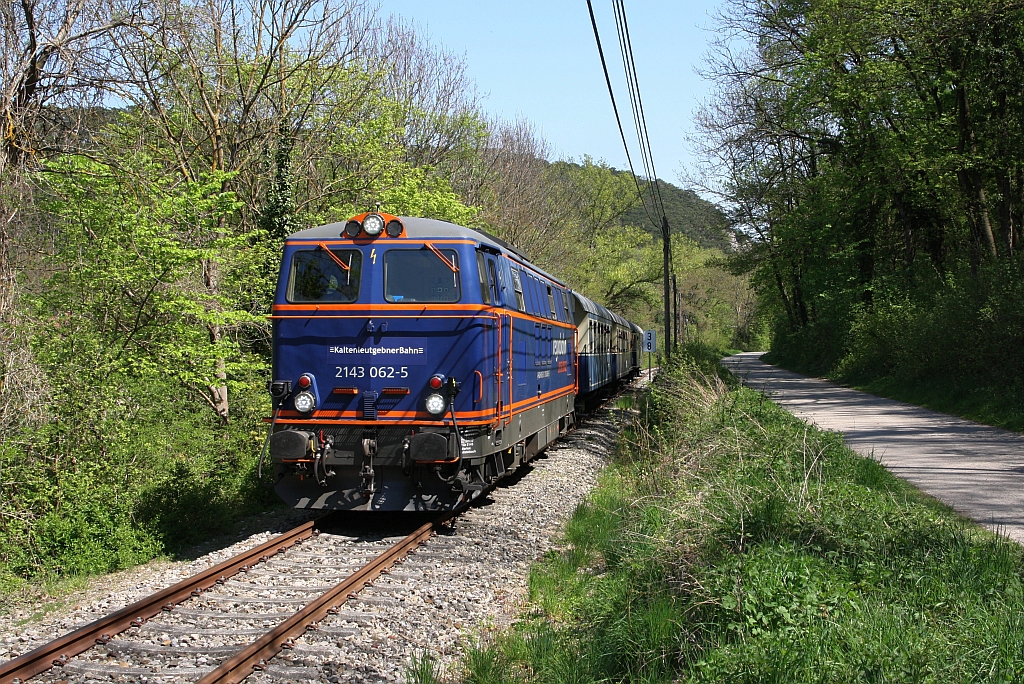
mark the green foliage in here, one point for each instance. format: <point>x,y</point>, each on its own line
<point>140,250</point>
<point>620,264</point>
<point>420,194</point>
<point>689,216</point>
<point>130,462</point>
<point>873,153</point>
<point>732,542</point>
<point>622,270</point>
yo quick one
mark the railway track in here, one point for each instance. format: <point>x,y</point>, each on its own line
<point>256,592</point>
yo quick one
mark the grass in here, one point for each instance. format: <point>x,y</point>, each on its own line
<point>730,542</point>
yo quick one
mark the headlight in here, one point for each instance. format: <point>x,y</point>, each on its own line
<point>436,404</point>
<point>304,402</point>
<point>394,228</point>
<point>373,224</point>
<point>352,228</point>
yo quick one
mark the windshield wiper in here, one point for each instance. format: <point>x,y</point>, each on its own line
<point>334,257</point>
<point>442,257</point>
<point>341,264</point>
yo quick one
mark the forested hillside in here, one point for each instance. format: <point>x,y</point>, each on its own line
<point>873,153</point>
<point>689,215</point>
<point>153,159</point>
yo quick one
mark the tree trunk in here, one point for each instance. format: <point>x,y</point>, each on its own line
<point>1006,211</point>
<point>970,179</point>
<point>218,389</point>
<point>909,242</point>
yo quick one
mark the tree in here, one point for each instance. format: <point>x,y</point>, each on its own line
<point>52,69</point>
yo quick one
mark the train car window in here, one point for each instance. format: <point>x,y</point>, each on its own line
<point>517,284</point>
<point>316,277</point>
<point>419,275</point>
<point>551,303</point>
<point>481,269</point>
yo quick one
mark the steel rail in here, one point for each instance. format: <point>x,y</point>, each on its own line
<point>256,655</point>
<point>62,649</point>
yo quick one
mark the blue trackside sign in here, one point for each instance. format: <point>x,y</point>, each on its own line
<point>650,341</point>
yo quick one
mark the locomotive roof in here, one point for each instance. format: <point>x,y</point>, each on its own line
<point>426,228</point>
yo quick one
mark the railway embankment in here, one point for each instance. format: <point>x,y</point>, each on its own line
<point>730,541</point>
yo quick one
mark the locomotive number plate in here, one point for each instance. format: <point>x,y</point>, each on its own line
<point>384,372</point>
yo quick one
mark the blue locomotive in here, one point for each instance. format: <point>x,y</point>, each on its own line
<point>416,362</point>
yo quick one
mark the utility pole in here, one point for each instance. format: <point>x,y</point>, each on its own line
<point>675,311</point>
<point>666,248</point>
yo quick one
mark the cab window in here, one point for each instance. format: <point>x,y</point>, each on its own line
<point>481,270</point>
<point>495,283</point>
<point>317,277</point>
<point>420,275</point>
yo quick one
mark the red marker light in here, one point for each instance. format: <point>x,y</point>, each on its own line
<point>436,382</point>
<point>304,381</point>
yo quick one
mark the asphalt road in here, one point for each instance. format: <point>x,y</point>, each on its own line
<point>976,469</point>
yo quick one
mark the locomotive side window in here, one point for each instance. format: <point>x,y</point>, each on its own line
<point>420,275</point>
<point>517,284</point>
<point>317,276</point>
<point>551,303</point>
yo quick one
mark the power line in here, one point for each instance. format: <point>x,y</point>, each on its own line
<point>633,83</point>
<point>615,109</point>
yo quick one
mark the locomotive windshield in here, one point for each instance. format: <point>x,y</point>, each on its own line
<point>421,275</point>
<point>319,276</point>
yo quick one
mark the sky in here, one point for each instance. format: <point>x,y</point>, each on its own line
<point>537,59</point>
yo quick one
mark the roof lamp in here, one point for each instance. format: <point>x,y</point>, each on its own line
<point>394,228</point>
<point>373,224</point>
<point>352,228</point>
